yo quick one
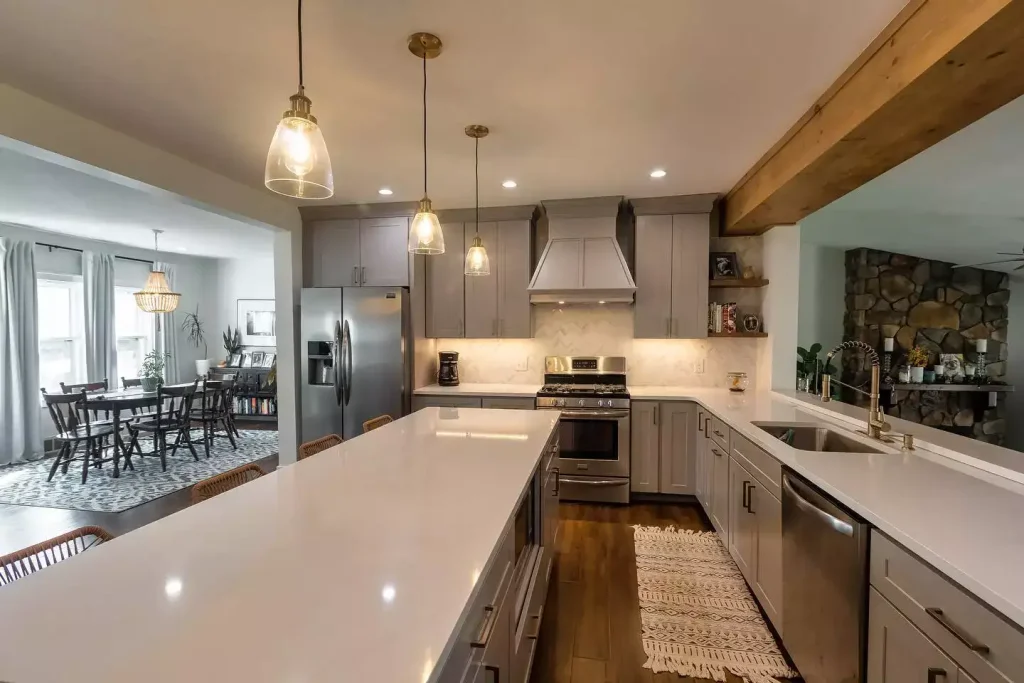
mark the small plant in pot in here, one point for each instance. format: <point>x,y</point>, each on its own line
<point>152,371</point>
<point>232,342</point>
<point>917,359</point>
<point>193,327</point>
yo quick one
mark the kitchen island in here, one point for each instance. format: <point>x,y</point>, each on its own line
<point>366,562</point>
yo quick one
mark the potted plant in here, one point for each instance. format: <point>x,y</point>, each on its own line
<point>807,366</point>
<point>152,371</point>
<point>193,327</point>
<point>232,342</point>
<point>917,359</point>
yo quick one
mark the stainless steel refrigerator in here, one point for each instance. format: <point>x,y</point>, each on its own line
<point>356,358</point>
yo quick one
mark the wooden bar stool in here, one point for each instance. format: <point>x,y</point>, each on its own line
<point>377,422</point>
<point>225,481</point>
<point>317,445</point>
<point>29,560</point>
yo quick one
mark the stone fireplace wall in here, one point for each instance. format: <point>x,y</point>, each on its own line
<point>941,309</point>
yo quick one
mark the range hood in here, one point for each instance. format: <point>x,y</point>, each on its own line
<point>582,261</point>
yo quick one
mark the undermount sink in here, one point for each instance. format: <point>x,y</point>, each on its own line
<point>812,437</point>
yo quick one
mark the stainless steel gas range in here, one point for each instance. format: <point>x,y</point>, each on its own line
<point>594,426</point>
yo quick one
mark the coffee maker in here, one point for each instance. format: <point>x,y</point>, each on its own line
<point>448,369</point>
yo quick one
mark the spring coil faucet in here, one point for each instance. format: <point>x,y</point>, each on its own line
<point>876,418</point>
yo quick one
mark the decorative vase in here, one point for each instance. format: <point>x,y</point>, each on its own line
<point>202,367</point>
<point>150,383</point>
<point>916,375</point>
<point>929,376</point>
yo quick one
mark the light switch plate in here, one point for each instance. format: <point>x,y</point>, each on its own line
<point>698,367</point>
<point>523,365</point>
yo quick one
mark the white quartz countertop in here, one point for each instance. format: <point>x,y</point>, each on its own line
<point>353,565</point>
<point>963,520</point>
<point>479,389</point>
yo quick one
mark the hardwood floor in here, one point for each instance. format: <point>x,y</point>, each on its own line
<point>23,525</point>
<point>591,629</point>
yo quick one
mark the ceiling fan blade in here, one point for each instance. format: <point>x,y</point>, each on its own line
<point>989,263</point>
<point>1020,267</point>
<point>1003,253</point>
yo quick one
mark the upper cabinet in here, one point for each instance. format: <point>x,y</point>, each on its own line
<point>369,252</point>
<point>672,276</point>
<point>481,306</point>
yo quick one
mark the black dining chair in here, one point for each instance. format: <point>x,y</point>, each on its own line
<point>213,411</point>
<point>76,430</point>
<point>137,413</point>
<point>90,387</point>
<point>171,416</point>
<point>221,375</point>
<point>131,383</point>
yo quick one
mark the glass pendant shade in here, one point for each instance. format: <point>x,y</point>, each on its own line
<point>425,236</point>
<point>156,296</point>
<point>477,262</point>
<point>298,164</point>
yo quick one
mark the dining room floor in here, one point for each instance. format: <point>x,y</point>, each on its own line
<point>25,525</point>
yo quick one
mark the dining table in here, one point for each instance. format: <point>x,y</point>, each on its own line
<point>114,402</point>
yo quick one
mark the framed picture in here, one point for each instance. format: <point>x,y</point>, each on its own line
<point>268,359</point>
<point>246,360</point>
<point>235,360</point>
<point>257,359</point>
<point>953,364</point>
<point>258,322</point>
<point>724,265</point>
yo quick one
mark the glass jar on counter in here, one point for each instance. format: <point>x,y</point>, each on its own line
<point>737,381</point>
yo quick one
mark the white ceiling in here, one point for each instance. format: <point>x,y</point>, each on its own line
<point>961,200</point>
<point>39,194</point>
<point>583,97</point>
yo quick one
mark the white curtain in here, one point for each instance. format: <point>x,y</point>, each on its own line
<point>167,330</point>
<point>100,330</point>
<point>20,433</point>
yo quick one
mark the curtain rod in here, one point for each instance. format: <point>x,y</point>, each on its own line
<point>123,258</point>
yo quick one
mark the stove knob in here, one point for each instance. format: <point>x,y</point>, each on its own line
<point>600,403</point>
<point>559,402</point>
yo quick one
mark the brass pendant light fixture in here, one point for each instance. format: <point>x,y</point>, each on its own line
<point>156,296</point>
<point>425,236</point>
<point>477,262</point>
<point>298,164</point>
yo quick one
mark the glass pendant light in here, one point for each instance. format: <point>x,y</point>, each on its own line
<point>425,236</point>
<point>477,262</point>
<point>298,164</point>
<point>156,296</point>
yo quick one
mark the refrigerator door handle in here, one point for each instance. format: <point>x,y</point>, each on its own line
<point>347,349</point>
<point>336,362</point>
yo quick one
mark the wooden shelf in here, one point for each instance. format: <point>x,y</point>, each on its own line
<point>737,283</point>
<point>746,335</point>
<point>256,418</point>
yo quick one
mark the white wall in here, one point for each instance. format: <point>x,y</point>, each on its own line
<point>822,295</point>
<point>777,365</point>
<point>234,279</point>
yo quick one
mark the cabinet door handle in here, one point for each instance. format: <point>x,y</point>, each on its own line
<point>656,414</point>
<point>485,630</point>
<point>700,422</point>
<point>537,618</point>
<point>934,673</point>
<point>707,424</point>
<point>719,434</point>
<point>969,642</point>
<point>362,275</point>
<point>355,275</point>
<point>715,451</point>
<point>493,670</point>
<point>750,497</point>
<point>743,499</point>
<point>558,482</point>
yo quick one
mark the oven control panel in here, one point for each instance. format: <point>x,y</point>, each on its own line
<point>584,403</point>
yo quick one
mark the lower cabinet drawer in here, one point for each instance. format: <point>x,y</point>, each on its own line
<point>762,466</point>
<point>987,647</point>
<point>720,432</point>
<point>420,402</point>
<point>509,402</point>
<point>898,652</point>
<point>483,618</point>
<point>524,644</point>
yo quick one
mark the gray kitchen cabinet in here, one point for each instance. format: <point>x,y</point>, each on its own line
<point>719,512</point>
<point>678,429</point>
<point>498,305</point>
<point>335,257</point>
<point>384,252</point>
<point>899,653</point>
<point>700,452</point>
<point>353,253</point>
<point>446,286</point>
<point>482,290</point>
<point>645,447</point>
<point>420,402</point>
<point>513,270</point>
<point>742,524</point>
<point>671,276</point>
<point>767,570</point>
<point>509,402</point>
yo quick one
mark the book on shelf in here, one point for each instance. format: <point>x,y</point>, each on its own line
<point>255,405</point>
<point>722,318</point>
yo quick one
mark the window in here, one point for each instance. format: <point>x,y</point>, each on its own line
<point>135,332</point>
<point>61,336</point>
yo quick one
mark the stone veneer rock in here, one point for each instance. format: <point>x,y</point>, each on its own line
<point>932,305</point>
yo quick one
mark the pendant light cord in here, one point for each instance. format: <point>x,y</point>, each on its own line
<point>301,83</point>
<point>424,126</point>
<point>476,173</point>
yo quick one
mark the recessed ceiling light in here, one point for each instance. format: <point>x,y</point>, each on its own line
<point>600,302</point>
<point>385,191</point>
<point>658,173</point>
<point>509,184</point>
<point>561,302</point>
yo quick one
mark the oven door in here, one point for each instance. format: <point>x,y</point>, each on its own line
<point>594,443</point>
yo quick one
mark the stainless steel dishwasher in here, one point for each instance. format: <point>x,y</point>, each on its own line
<point>824,584</point>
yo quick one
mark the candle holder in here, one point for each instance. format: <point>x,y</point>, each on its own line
<point>980,370</point>
<point>887,367</point>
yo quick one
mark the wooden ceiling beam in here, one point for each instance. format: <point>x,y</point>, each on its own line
<point>939,66</point>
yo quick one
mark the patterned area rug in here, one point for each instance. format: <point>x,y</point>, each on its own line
<point>698,616</point>
<point>26,484</point>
